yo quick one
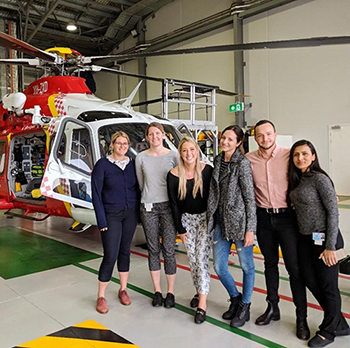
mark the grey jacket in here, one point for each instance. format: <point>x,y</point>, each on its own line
<point>233,197</point>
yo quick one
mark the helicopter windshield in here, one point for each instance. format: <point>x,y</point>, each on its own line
<point>136,133</point>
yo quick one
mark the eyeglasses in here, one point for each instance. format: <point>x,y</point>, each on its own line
<point>121,144</point>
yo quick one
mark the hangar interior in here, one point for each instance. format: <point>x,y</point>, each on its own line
<point>302,87</point>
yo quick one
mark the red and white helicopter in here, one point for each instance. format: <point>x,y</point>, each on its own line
<point>52,134</point>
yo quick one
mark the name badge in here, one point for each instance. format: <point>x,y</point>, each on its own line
<point>318,237</point>
<point>148,206</point>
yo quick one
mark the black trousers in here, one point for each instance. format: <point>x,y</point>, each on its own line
<point>322,281</point>
<point>274,230</point>
<point>117,240</point>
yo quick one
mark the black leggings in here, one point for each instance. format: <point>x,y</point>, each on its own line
<point>322,281</point>
<point>116,241</point>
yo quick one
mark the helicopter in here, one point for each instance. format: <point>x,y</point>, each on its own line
<point>53,133</point>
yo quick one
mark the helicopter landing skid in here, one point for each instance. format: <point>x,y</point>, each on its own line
<point>25,215</point>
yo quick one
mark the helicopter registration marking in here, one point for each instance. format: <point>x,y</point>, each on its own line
<point>41,88</point>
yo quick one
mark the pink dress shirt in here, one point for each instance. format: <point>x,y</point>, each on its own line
<point>270,177</point>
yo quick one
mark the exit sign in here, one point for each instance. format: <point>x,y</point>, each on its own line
<point>236,107</point>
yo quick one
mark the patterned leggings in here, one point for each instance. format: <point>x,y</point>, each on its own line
<point>198,245</point>
<point>159,223</point>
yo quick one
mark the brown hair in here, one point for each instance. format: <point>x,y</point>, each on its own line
<point>154,124</point>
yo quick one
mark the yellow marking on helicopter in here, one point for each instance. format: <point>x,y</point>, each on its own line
<point>64,52</point>
<point>66,204</point>
<point>51,102</point>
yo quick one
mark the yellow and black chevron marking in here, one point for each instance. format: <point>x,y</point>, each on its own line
<point>88,334</point>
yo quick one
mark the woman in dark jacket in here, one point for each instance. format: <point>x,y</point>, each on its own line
<point>232,219</point>
<point>115,198</point>
<point>312,194</point>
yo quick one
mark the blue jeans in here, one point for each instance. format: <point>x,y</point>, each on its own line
<point>221,250</point>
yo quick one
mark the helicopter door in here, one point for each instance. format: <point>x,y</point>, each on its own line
<point>68,172</point>
<point>4,193</point>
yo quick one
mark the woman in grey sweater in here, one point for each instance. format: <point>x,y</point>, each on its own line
<point>312,193</point>
<point>232,219</point>
<point>152,167</point>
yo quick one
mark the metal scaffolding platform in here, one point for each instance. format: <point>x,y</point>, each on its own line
<point>192,107</point>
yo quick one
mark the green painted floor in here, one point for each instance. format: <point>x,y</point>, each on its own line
<point>25,253</point>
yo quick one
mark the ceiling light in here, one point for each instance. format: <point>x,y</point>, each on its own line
<point>71,26</point>
<point>134,33</point>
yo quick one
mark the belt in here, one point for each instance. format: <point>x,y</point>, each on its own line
<point>275,210</point>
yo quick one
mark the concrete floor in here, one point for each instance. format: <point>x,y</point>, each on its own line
<point>47,296</point>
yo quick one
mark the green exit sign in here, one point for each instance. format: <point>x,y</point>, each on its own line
<point>236,107</point>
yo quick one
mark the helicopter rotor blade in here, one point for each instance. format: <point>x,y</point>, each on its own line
<point>97,68</point>
<point>21,61</point>
<point>18,45</point>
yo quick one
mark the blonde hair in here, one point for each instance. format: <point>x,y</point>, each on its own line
<point>118,134</point>
<point>198,181</point>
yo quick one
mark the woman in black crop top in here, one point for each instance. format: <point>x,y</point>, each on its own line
<point>188,190</point>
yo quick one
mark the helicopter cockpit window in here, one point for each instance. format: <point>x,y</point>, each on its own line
<point>74,156</point>
<point>75,147</point>
<point>136,133</point>
<point>2,156</point>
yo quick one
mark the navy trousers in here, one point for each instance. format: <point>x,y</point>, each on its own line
<point>116,241</point>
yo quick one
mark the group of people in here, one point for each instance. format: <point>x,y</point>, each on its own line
<point>282,196</point>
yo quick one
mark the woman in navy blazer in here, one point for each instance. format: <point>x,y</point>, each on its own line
<point>115,199</point>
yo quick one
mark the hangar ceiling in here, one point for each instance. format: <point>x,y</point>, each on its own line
<point>101,24</point>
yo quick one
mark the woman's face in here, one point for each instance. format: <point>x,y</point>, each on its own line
<point>302,158</point>
<point>228,141</point>
<point>189,152</point>
<point>120,146</point>
<point>155,137</point>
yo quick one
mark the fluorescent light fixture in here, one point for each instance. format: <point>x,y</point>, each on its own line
<point>134,33</point>
<point>71,26</point>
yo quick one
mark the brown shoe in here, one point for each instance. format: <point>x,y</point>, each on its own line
<point>124,298</point>
<point>101,305</point>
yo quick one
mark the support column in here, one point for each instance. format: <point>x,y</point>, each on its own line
<point>142,65</point>
<point>239,67</point>
<point>3,89</point>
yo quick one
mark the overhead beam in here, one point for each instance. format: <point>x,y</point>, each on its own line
<point>123,2</point>
<point>310,42</point>
<point>98,5</point>
<point>46,16</point>
<point>254,10</point>
<point>107,12</point>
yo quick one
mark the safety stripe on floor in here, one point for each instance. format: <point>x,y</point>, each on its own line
<point>260,290</point>
<point>211,320</point>
<point>232,264</point>
<point>83,335</point>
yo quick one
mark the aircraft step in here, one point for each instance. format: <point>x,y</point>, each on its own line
<point>25,215</point>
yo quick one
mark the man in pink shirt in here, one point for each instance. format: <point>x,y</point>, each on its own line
<point>277,224</point>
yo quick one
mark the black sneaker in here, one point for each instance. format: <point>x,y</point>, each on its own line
<point>157,299</point>
<point>169,301</point>
<point>195,301</point>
